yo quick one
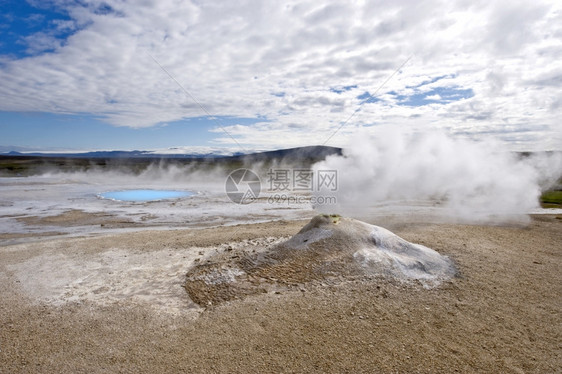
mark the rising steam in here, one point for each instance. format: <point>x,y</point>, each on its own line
<point>468,181</point>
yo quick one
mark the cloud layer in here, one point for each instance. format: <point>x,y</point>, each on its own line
<point>479,69</point>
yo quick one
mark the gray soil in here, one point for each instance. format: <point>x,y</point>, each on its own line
<point>500,314</point>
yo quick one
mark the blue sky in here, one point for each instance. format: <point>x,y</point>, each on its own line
<point>84,132</point>
<point>94,75</point>
<point>20,20</point>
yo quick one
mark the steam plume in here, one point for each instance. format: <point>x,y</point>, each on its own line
<point>469,181</point>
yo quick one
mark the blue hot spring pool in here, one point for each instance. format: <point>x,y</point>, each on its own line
<point>144,195</point>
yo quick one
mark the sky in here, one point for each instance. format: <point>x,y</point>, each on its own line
<point>184,76</point>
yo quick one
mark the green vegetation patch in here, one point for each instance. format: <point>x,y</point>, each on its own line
<point>550,198</point>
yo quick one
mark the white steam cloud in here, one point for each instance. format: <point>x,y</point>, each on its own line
<point>468,181</point>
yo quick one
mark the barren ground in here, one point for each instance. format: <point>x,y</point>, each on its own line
<point>115,304</point>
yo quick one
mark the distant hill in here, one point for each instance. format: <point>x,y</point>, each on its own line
<point>310,153</point>
<point>292,154</point>
<point>104,154</point>
<point>14,163</point>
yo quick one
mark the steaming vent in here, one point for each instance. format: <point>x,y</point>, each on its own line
<point>328,249</point>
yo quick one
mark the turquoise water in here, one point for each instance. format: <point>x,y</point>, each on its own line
<point>144,195</point>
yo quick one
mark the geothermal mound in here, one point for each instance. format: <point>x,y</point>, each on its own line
<point>328,249</point>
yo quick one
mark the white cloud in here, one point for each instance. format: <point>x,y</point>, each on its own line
<point>435,97</point>
<point>236,58</point>
<point>197,150</point>
<point>40,42</point>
